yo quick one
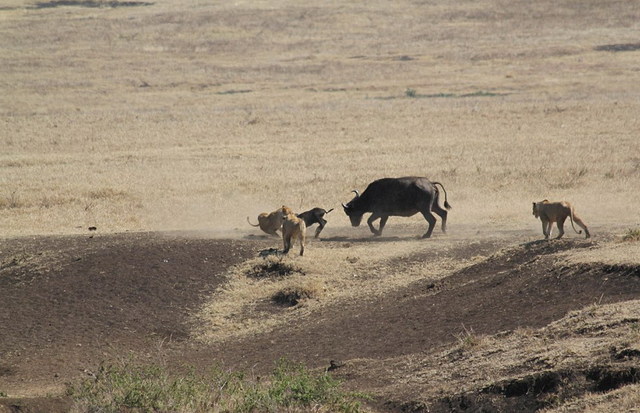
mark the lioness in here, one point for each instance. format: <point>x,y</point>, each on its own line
<point>550,212</point>
<point>293,227</point>
<point>271,222</point>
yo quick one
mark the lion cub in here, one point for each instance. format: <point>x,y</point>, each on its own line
<point>550,212</point>
<point>292,227</point>
<point>271,222</point>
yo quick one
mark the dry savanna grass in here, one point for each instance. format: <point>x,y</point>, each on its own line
<point>340,272</point>
<point>180,115</point>
<point>170,115</point>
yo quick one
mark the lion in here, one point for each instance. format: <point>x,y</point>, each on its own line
<point>550,212</point>
<point>271,222</point>
<point>293,227</point>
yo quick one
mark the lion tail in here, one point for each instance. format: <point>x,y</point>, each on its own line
<point>571,218</point>
<point>251,223</point>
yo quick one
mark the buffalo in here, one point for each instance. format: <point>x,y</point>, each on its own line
<point>315,216</point>
<point>402,197</point>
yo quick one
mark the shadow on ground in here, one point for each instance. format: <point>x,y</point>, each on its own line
<point>70,303</point>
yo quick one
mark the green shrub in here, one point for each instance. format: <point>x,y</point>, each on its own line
<point>290,387</point>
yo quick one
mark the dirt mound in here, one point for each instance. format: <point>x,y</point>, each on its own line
<point>535,391</point>
<point>519,287</point>
<point>69,302</point>
<point>72,302</point>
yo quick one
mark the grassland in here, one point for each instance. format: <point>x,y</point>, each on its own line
<point>191,116</point>
<point>183,116</point>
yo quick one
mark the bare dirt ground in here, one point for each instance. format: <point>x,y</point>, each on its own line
<point>73,302</point>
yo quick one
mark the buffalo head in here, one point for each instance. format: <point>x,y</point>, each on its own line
<point>354,214</point>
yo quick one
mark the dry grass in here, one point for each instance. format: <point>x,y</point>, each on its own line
<point>632,235</point>
<point>335,272</point>
<point>625,399</point>
<point>622,249</point>
<point>295,294</point>
<point>178,115</point>
<point>575,342</point>
<point>154,117</point>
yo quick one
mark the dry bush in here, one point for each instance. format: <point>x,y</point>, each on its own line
<point>468,339</point>
<point>294,294</point>
<point>632,235</point>
<point>273,268</point>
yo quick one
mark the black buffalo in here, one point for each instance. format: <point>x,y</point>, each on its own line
<point>315,216</point>
<point>402,197</point>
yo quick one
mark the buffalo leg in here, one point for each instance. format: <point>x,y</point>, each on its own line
<point>370,221</point>
<point>322,223</point>
<point>383,222</point>
<point>443,214</point>
<point>432,222</point>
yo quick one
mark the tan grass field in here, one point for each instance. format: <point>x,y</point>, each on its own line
<point>191,116</point>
